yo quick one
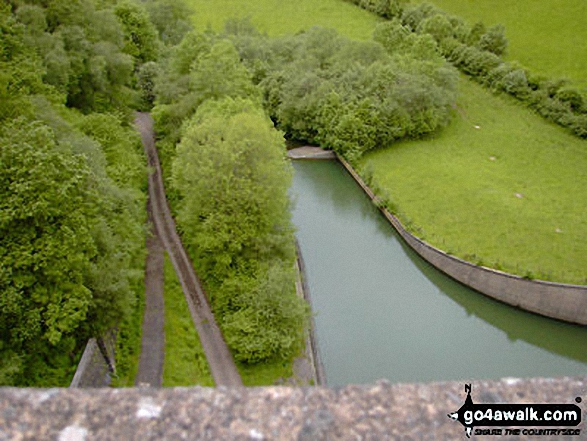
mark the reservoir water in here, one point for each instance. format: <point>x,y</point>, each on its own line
<point>383,312</point>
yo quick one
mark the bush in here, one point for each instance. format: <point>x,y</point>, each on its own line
<point>474,61</point>
<point>550,108</point>
<point>577,123</point>
<point>573,98</point>
<point>413,16</point>
<point>268,321</point>
<point>438,26</point>
<point>515,83</point>
<point>494,40</point>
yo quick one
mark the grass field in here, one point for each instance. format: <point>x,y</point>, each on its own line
<point>185,363</point>
<point>548,36</point>
<point>278,17</point>
<point>511,194</point>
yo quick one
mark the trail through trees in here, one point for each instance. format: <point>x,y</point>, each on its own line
<point>221,363</point>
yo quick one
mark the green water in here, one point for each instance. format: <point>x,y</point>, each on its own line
<point>382,312</point>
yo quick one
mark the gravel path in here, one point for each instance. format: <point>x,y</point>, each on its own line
<point>153,341</point>
<point>219,357</point>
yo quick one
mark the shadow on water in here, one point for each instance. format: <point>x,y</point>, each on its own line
<point>385,312</point>
<point>517,324</point>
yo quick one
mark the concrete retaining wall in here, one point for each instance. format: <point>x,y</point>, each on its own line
<point>557,300</point>
<point>311,342</point>
<point>96,365</point>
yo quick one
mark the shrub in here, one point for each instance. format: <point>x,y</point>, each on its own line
<point>438,26</point>
<point>413,16</point>
<point>494,40</point>
<point>573,98</point>
<point>515,83</point>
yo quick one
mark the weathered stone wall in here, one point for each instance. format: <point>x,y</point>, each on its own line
<point>557,300</point>
<point>371,412</point>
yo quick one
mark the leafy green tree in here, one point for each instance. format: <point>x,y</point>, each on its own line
<point>231,173</point>
<point>220,73</point>
<point>192,46</point>
<point>300,99</point>
<point>233,178</point>
<point>266,320</point>
<point>146,79</point>
<point>47,207</point>
<point>140,35</point>
<point>171,18</point>
<point>356,130</point>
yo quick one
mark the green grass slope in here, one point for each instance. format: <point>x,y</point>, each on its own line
<point>185,362</point>
<point>548,36</point>
<point>279,17</point>
<point>510,194</point>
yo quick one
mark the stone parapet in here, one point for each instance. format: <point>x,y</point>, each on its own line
<point>370,412</point>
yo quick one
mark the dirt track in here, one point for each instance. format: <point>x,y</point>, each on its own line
<point>153,340</point>
<point>219,357</point>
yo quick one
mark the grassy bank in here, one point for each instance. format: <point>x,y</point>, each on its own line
<point>185,363</point>
<point>499,187</point>
<point>265,374</point>
<point>286,17</point>
<point>128,343</point>
<point>547,36</point>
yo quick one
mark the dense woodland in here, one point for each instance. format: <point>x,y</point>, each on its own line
<point>73,179</point>
<point>73,175</point>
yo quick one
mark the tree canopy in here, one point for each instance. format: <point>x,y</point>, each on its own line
<point>231,172</point>
<point>71,200</point>
<point>351,96</point>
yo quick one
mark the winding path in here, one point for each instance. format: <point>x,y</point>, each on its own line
<point>222,365</point>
